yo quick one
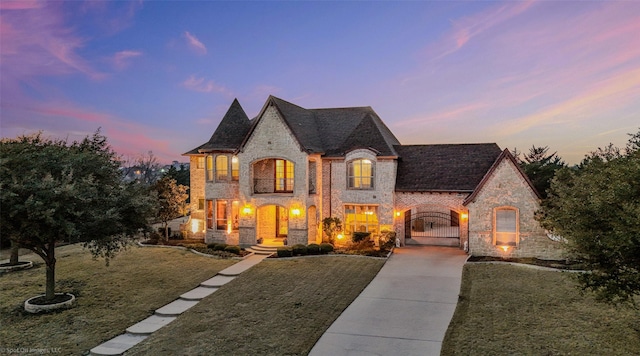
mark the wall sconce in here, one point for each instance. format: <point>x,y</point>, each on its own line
<point>295,212</point>
<point>464,216</point>
<point>246,210</point>
<point>398,213</point>
<point>505,248</point>
<point>340,236</point>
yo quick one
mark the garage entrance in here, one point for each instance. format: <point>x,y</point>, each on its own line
<point>432,227</point>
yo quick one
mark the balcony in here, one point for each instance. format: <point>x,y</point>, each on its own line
<point>274,185</point>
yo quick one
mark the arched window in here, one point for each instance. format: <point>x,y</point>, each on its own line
<point>222,167</point>
<point>505,226</point>
<point>360,174</point>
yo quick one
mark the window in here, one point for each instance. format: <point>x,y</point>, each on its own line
<point>505,227</point>
<point>209,214</point>
<point>209,168</point>
<point>222,167</point>
<point>221,214</point>
<point>200,163</point>
<point>282,221</point>
<point>360,174</point>
<point>200,203</point>
<point>235,168</point>
<point>362,218</point>
<point>284,176</point>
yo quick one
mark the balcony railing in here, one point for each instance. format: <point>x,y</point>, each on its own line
<point>276,185</point>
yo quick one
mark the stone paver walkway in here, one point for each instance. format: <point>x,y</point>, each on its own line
<point>168,313</point>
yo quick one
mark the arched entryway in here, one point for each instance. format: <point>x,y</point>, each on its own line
<point>432,226</point>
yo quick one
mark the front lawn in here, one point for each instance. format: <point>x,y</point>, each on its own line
<point>109,299</point>
<point>513,310</point>
<point>278,307</point>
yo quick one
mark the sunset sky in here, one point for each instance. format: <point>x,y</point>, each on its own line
<point>159,75</point>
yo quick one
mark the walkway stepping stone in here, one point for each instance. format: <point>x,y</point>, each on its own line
<point>118,345</point>
<point>150,324</point>
<point>176,307</point>
<point>217,281</point>
<point>198,293</point>
<point>242,266</point>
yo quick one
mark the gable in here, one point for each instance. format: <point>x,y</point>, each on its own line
<point>505,184</point>
<point>271,134</point>
<point>451,168</point>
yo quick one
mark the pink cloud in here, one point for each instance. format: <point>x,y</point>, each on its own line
<point>203,86</point>
<point>461,112</point>
<point>195,43</point>
<point>121,59</point>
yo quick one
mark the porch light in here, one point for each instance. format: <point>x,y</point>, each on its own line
<point>398,213</point>
<point>246,210</point>
<point>505,248</point>
<point>340,236</point>
<point>295,212</point>
<point>464,216</point>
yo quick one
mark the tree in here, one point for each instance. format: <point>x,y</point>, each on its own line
<point>331,226</point>
<point>182,175</point>
<point>144,168</point>
<point>595,208</point>
<point>172,200</point>
<point>52,191</point>
<point>540,167</point>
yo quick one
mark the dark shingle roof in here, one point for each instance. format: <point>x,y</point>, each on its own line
<point>229,134</point>
<point>452,167</point>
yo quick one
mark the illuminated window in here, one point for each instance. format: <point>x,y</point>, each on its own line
<point>222,167</point>
<point>505,226</point>
<point>235,168</point>
<point>361,218</point>
<point>209,168</point>
<point>284,176</point>
<point>200,163</point>
<point>360,174</point>
<point>282,221</point>
<point>221,214</point>
<point>209,214</point>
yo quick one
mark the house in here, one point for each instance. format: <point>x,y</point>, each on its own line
<point>279,174</point>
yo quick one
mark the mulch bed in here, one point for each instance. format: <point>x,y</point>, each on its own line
<point>558,264</point>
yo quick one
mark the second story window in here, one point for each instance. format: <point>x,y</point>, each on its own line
<point>222,167</point>
<point>284,176</point>
<point>235,168</point>
<point>200,163</point>
<point>360,174</point>
<point>209,168</point>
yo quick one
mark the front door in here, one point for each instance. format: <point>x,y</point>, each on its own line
<point>282,221</point>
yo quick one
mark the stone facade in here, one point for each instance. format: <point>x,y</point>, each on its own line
<point>506,187</point>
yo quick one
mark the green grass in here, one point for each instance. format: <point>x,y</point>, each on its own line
<point>512,310</point>
<point>279,307</point>
<point>109,299</point>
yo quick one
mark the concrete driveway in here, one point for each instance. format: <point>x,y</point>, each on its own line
<point>405,310</point>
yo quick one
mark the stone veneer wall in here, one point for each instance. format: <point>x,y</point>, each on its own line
<point>507,187</point>
<point>336,194</point>
<point>273,139</point>
<point>431,201</point>
<point>196,191</point>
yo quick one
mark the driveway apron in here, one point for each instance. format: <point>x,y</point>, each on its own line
<point>405,310</point>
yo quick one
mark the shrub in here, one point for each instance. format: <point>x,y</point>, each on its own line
<point>233,249</point>
<point>387,239</point>
<point>313,249</point>
<point>176,236</point>
<point>360,236</point>
<point>299,249</point>
<point>220,247</point>
<point>285,252</point>
<point>212,245</point>
<point>326,248</point>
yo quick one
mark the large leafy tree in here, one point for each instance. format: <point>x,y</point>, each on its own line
<point>52,190</point>
<point>540,166</point>
<point>595,208</point>
<point>172,200</point>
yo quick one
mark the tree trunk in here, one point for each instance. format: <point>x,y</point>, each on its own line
<point>166,231</point>
<point>51,272</point>
<point>14,253</point>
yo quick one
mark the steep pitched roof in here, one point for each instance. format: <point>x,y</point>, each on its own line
<point>504,155</point>
<point>450,167</point>
<point>229,134</point>
<point>333,131</point>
